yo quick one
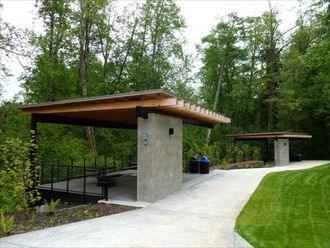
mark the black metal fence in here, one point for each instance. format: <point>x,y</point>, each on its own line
<point>74,180</point>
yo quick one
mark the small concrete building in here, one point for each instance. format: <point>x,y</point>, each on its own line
<point>281,143</point>
<point>157,115</point>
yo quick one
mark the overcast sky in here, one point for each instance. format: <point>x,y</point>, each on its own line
<point>200,17</point>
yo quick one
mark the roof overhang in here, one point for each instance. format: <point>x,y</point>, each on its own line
<point>122,109</point>
<point>270,135</point>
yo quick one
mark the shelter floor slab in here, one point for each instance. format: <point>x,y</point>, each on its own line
<point>125,190</point>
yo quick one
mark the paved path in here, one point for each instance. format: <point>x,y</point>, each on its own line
<point>199,215</point>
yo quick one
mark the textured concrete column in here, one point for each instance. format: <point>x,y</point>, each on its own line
<point>281,152</point>
<point>160,160</point>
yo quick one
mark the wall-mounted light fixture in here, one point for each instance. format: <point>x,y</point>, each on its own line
<point>145,137</point>
<point>171,131</point>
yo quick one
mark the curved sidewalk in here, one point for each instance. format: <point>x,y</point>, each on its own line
<point>199,215</point>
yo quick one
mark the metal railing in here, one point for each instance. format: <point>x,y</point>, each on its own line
<point>80,177</point>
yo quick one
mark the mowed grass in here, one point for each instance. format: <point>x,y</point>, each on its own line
<point>289,209</point>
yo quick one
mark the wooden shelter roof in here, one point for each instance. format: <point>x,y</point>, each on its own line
<point>276,135</point>
<point>122,108</point>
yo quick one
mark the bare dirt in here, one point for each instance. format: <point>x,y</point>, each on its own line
<point>30,220</point>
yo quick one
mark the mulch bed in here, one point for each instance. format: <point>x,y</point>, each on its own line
<point>240,165</point>
<point>31,220</point>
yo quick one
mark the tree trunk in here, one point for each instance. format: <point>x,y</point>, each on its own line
<point>270,116</point>
<point>249,85</point>
<point>50,57</point>
<point>217,94</point>
<point>84,49</point>
<point>154,45</point>
<point>272,69</point>
<point>258,117</point>
<point>127,52</point>
<point>2,116</point>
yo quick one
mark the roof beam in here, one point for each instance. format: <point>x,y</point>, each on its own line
<point>81,122</point>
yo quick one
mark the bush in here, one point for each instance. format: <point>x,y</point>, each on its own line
<point>212,153</point>
<point>6,224</point>
<point>50,207</point>
<point>16,176</point>
<point>233,153</point>
<point>237,153</point>
<point>256,153</point>
<point>219,153</point>
<point>247,152</point>
<point>7,202</point>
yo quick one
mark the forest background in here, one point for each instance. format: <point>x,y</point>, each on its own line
<point>263,78</point>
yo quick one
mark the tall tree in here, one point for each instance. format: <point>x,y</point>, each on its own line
<point>252,38</point>
<point>219,50</point>
<point>48,77</point>
<point>304,95</point>
<point>270,59</point>
<point>87,16</point>
<point>157,46</point>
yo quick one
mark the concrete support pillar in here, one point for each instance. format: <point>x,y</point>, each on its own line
<point>281,152</point>
<point>159,157</point>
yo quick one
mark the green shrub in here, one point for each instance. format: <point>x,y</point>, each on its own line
<point>6,224</point>
<point>239,153</point>
<point>230,153</point>
<point>50,207</point>
<point>247,152</point>
<point>256,153</point>
<point>16,176</point>
<point>7,202</point>
<point>212,153</point>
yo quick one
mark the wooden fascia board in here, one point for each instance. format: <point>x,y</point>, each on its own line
<point>272,136</point>
<point>101,106</point>
<point>298,136</point>
<point>252,137</point>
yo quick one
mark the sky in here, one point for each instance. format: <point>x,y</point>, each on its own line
<point>200,15</point>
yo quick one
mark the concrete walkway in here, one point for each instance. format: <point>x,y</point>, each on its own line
<point>201,214</point>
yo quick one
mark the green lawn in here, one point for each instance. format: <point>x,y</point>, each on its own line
<point>289,209</point>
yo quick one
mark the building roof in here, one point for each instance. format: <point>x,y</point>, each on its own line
<point>278,135</point>
<point>121,108</point>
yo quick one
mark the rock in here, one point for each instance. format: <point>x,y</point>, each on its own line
<point>41,209</point>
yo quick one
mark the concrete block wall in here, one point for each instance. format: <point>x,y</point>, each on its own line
<point>160,160</point>
<point>281,152</point>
